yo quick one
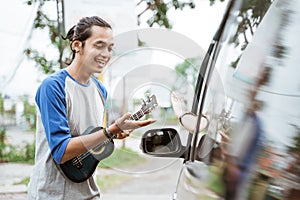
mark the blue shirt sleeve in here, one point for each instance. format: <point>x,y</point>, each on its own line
<point>51,102</point>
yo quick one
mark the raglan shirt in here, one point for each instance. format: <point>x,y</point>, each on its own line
<point>247,142</point>
<point>65,108</point>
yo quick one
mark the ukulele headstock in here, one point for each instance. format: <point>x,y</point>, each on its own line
<point>149,104</point>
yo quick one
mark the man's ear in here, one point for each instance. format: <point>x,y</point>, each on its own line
<point>76,46</point>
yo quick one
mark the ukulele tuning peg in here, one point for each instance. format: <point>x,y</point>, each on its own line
<point>143,101</point>
<point>148,97</point>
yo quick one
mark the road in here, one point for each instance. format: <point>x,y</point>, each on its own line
<point>156,179</point>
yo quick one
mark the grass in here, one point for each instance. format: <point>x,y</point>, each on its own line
<point>215,183</point>
<point>108,181</point>
<point>209,188</point>
<point>24,181</point>
<point>104,182</point>
<point>122,157</point>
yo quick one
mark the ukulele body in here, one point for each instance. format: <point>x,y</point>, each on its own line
<point>82,167</point>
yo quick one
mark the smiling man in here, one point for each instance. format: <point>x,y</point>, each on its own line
<point>69,102</point>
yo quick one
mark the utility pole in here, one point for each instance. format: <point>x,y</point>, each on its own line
<point>124,110</point>
<point>60,28</point>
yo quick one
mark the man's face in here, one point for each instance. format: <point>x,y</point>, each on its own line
<point>97,50</point>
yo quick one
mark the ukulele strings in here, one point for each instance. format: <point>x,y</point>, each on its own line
<point>79,158</point>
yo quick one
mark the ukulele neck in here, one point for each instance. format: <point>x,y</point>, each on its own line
<point>138,115</point>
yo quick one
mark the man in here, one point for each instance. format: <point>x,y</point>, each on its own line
<point>68,103</point>
<point>245,145</point>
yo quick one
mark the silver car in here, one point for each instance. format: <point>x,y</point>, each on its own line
<point>243,125</point>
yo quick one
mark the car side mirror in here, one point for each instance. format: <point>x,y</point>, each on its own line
<point>162,143</point>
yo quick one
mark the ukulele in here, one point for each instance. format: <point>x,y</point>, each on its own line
<point>81,167</point>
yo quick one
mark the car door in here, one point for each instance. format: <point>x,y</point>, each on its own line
<point>195,181</point>
<point>250,147</point>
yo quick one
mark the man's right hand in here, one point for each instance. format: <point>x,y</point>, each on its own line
<point>125,124</point>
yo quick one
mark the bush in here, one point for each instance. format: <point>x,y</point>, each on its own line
<point>3,145</point>
<point>30,114</point>
<point>10,153</point>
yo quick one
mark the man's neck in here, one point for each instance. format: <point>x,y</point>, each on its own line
<point>77,72</point>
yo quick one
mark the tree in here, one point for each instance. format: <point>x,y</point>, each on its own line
<point>251,14</point>
<point>294,166</point>
<point>295,146</point>
<point>159,9</point>
<point>188,69</point>
<point>56,30</point>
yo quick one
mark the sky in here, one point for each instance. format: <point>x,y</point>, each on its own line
<point>200,23</point>
<point>192,23</point>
